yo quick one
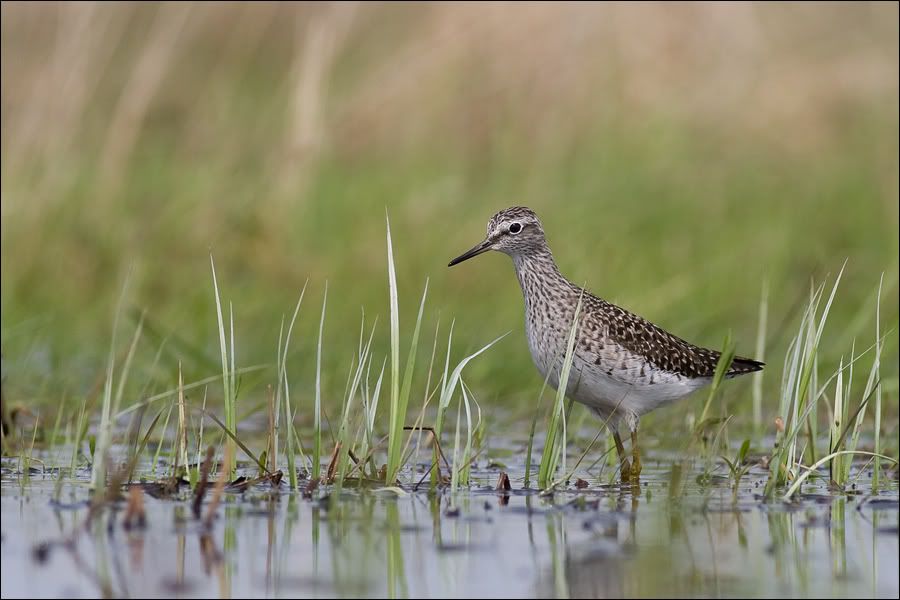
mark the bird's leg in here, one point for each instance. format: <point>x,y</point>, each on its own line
<point>635,454</point>
<point>623,460</point>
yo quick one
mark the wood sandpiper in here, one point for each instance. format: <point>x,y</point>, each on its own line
<point>623,366</point>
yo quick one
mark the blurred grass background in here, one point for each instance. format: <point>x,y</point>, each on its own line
<point>679,154</point>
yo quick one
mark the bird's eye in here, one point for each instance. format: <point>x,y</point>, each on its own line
<point>515,228</point>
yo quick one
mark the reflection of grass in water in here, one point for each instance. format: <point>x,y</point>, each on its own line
<point>838,537</point>
<point>396,576</point>
<point>556,536</point>
<point>610,548</point>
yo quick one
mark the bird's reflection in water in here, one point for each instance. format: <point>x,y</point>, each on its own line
<point>592,568</point>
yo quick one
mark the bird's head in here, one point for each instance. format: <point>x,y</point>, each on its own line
<point>513,231</point>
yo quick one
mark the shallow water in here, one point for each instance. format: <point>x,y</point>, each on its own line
<point>603,541</point>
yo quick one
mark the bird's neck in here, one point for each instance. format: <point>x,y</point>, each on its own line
<point>537,271</point>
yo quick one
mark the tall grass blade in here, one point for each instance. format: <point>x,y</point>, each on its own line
<point>448,387</point>
<point>182,422</point>
<point>555,443</point>
<point>233,437</point>
<point>454,470</point>
<point>283,395</point>
<point>534,420</point>
<point>800,391</point>
<point>395,348</point>
<point>761,331</point>
<point>188,386</point>
<point>809,471</point>
<point>317,413</point>
<point>344,441</point>
<point>838,419</point>
<point>398,412</point>
<point>725,360</point>
<point>467,450</point>
<point>451,383</point>
<point>110,402</point>
<point>875,375</point>
<point>227,369</point>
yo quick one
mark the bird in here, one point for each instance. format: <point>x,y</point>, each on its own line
<point>623,366</point>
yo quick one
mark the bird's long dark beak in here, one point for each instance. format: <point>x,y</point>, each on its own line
<point>482,247</point>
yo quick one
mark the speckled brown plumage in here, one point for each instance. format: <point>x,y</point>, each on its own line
<point>550,303</point>
<point>623,365</point>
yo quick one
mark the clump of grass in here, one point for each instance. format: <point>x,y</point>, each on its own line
<point>355,438</point>
<point>801,393</point>
<point>738,467</point>
<point>844,435</point>
<point>111,402</point>
<point>370,410</point>
<point>840,467</point>
<point>448,388</point>
<point>345,441</point>
<point>462,457</point>
<point>706,423</point>
<point>797,401</point>
<point>809,471</point>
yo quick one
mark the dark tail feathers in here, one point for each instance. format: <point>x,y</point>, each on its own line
<point>742,366</point>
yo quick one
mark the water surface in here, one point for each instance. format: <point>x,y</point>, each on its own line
<point>602,541</point>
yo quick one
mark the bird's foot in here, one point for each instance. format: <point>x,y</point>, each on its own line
<point>625,471</point>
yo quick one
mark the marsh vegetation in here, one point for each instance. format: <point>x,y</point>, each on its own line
<point>225,371</point>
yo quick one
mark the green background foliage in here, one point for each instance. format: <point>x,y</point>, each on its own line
<point>679,157</point>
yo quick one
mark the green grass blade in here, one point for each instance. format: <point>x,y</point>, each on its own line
<point>284,394</point>
<point>112,402</point>
<point>317,413</point>
<point>395,340</point>
<point>555,444</point>
<point>534,420</point>
<point>398,418</point>
<point>725,360</point>
<point>227,373</point>
<point>761,331</point>
<point>809,471</point>
<point>875,375</point>
<point>233,437</point>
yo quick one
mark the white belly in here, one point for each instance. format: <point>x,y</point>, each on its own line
<point>610,389</point>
